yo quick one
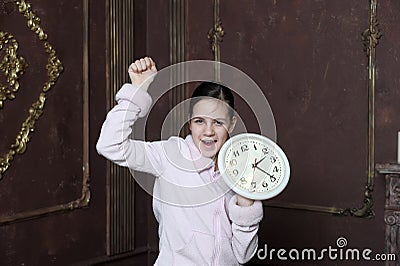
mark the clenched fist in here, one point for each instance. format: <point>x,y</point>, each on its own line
<point>142,72</point>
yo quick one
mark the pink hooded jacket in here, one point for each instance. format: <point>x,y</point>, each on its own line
<point>199,220</point>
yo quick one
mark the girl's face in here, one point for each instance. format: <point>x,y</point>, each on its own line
<point>210,125</point>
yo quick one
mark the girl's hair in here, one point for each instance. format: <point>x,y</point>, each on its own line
<point>213,90</point>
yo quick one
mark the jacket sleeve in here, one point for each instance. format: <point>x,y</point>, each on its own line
<point>245,223</point>
<point>115,143</point>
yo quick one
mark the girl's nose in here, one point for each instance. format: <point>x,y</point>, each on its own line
<point>209,130</point>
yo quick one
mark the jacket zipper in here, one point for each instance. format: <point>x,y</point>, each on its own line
<point>217,232</point>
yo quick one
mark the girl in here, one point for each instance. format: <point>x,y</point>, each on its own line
<point>195,227</point>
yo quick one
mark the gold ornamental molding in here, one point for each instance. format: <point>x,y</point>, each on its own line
<point>370,38</point>
<point>215,37</point>
<point>11,65</point>
<point>13,69</point>
<point>216,33</point>
<point>54,69</point>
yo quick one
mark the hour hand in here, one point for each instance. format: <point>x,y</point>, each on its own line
<point>256,163</point>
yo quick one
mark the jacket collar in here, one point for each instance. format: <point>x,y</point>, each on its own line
<point>201,163</point>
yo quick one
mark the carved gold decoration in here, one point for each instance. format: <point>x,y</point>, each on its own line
<point>371,39</point>
<point>35,112</point>
<point>372,35</point>
<point>32,21</point>
<point>11,65</point>
<point>23,137</point>
<point>215,36</point>
<point>54,69</point>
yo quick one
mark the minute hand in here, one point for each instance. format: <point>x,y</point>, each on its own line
<point>262,170</point>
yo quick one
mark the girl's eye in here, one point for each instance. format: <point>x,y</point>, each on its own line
<point>219,123</point>
<point>198,121</point>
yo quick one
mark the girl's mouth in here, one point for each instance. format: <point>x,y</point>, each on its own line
<point>208,142</point>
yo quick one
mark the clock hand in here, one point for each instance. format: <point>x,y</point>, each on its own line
<point>254,169</point>
<point>256,163</point>
<point>271,176</point>
<point>252,179</point>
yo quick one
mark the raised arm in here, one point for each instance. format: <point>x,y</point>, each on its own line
<point>133,102</point>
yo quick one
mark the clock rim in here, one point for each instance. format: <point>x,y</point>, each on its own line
<point>235,187</point>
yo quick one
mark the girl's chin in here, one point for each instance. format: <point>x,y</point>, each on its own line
<point>209,153</point>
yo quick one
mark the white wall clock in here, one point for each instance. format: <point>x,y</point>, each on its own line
<point>254,166</point>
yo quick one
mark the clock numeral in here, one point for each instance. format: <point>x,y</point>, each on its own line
<point>275,169</point>
<point>255,147</point>
<point>253,186</point>
<point>272,178</point>
<point>273,159</point>
<point>265,151</point>
<point>235,172</point>
<point>233,162</point>
<point>265,184</point>
<point>244,148</point>
<point>243,180</point>
<point>236,153</point>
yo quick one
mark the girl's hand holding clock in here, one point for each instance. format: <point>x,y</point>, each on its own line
<point>244,202</point>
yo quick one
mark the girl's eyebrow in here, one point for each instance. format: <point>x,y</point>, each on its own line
<point>207,117</point>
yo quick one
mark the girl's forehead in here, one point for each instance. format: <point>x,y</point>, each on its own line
<point>213,108</point>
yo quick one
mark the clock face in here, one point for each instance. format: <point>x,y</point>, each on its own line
<point>254,166</point>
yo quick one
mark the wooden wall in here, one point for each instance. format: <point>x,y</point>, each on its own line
<point>307,57</point>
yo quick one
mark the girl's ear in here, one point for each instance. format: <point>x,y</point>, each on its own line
<point>233,124</point>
